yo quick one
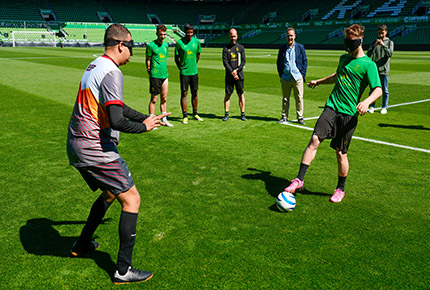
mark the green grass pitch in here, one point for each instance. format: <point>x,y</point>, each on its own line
<point>207,218</point>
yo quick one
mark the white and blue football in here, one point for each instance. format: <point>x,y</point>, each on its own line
<point>286,201</point>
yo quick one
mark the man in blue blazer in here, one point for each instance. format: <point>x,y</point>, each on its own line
<point>292,64</point>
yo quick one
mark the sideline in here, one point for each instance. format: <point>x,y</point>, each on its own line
<point>372,140</point>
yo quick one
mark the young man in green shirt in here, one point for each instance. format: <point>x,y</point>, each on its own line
<point>157,53</point>
<point>187,55</point>
<point>340,116</point>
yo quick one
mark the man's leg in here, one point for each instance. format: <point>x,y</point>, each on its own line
<point>343,168</point>
<point>184,106</point>
<point>163,96</point>
<point>226,106</point>
<point>385,95</point>
<point>151,107</point>
<point>241,102</point>
<point>84,244</point>
<point>163,101</point>
<point>130,203</point>
<point>195,101</point>
<point>307,158</point>
<point>286,92</point>
<point>298,95</point>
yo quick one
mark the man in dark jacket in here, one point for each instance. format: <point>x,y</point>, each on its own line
<point>292,64</point>
<point>233,59</point>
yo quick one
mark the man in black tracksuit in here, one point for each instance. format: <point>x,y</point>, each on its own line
<point>233,58</point>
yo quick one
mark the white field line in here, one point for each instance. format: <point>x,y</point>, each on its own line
<point>371,140</point>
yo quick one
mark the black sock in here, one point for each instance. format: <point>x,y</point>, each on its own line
<point>184,114</point>
<point>226,113</point>
<point>242,114</point>
<point>341,182</point>
<point>98,211</point>
<point>302,171</point>
<point>127,236</point>
<point>194,112</point>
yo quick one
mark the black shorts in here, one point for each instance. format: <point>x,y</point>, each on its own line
<point>336,126</point>
<point>230,83</point>
<point>191,81</point>
<point>113,176</point>
<point>155,85</point>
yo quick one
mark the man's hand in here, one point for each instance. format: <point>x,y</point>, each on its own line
<point>154,121</point>
<point>312,84</point>
<point>234,74</point>
<point>362,108</point>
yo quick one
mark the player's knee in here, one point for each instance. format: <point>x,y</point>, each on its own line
<point>154,99</point>
<point>315,142</point>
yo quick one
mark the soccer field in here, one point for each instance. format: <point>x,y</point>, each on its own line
<point>208,218</point>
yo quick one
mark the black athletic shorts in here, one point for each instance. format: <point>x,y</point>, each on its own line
<point>230,83</point>
<point>113,176</point>
<point>155,85</point>
<point>191,81</point>
<point>336,126</point>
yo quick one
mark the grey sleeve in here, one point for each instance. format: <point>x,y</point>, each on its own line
<point>111,88</point>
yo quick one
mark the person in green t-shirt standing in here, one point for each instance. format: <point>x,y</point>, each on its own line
<point>157,53</point>
<point>187,55</point>
<point>340,116</point>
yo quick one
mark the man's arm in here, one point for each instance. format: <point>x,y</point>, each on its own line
<point>117,121</point>
<point>389,48</point>
<point>177,59</point>
<point>198,58</point>
<point>364,105</point>
<point>331,79</point>
<point>225,61</point>
<point>371,48</point>
<point>133,114</point>
<point>305,62</point>
<point>148,64</point>
<point>242,59</point>
<point>280,62</point>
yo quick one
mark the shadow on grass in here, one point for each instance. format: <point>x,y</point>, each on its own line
<point>275,185</point>
<point>39,237</point>
<point>213,116</point>
<point>414,127</point>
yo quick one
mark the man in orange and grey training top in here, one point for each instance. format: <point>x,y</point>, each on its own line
<point>93,134</point>
<point>233,59</point>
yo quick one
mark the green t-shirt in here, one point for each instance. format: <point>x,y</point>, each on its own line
<point>187,53</point>
<point>353,76</point>
<point>159,54</point>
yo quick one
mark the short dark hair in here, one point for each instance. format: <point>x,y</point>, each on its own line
<point>188,27</point>
<point>382,27</point>
<point>116,32</point>
<point>161,27</point>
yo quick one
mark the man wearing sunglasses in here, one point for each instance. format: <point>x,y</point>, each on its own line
<point>339,119</point>
<point>98,116</point>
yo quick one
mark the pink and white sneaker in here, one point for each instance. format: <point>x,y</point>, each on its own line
<point>338,195</point>
<point>296,184</point>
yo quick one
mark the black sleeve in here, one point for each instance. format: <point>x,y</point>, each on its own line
<point>118,122</point>
<point>133,114</point>
<point>226,61</point>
